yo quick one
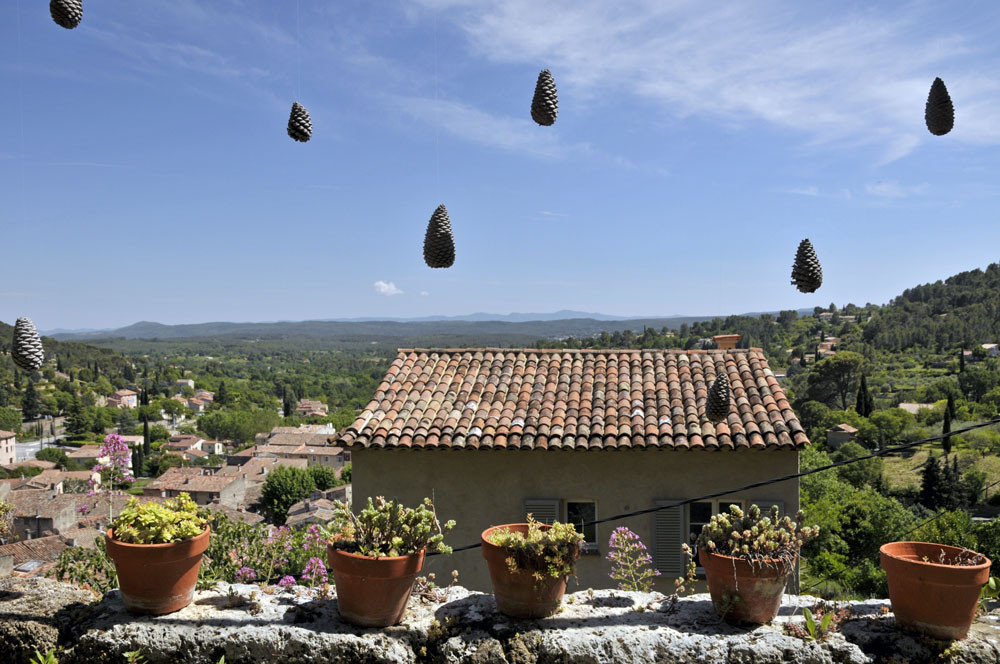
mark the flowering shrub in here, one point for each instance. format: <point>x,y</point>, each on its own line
<point>386,528</point>
<point>115,471</point>
<point>633,568</point>
<point>177,519</point>
<point>314,572</point>
<point>543,551</point>
<point>760,540</point>
<point>5,510</point>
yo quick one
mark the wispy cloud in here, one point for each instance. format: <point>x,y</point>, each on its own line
<point>845,80</point>
<point>891,189</point>
<point>424,293</point>
<point>387,288</point>
<point>546,213</point>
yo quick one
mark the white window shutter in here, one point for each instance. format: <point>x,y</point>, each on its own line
<point>543,510</point>
<point>668,535</point>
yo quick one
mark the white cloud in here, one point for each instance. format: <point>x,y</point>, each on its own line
<point>844,79</point>
<point>424,293</point>
<point>891,189</point>
<point>387,288</point>
<point>546,213</point>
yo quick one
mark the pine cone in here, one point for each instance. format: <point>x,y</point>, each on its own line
<point>439,244</point>
<point>939,112</point>
<point>807,275</point>
<point>67,13</point>
<point>545,103</point>
<point>717,405</point>
<point>300,126</point>
<point>26,349</point>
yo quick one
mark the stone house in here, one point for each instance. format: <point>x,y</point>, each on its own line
<point>38,513</point>
<point>8,448</point>
<point>203,486</point>
<point>123,399</point>
<point>840,434</point>
<point>574,435</point>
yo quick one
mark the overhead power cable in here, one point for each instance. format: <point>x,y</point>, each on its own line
<point>774,480</point>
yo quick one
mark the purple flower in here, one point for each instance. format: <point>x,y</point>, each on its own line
<point>315,571</point>
<point>287,581</point>
<point>244,574</point>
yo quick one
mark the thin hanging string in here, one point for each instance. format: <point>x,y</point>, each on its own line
<point>20,95</point>
<point>437,116</point>
<point>298,55</point>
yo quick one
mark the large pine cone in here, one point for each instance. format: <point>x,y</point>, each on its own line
<point>717,405</point>
<point>26,349</point>
<point>439,244</point>
<point>67,13</point>
<point>807,275</point>
<point>545,103</point>
<point>939,112</point>
<point>300,126</point>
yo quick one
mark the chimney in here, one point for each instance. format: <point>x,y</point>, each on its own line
<point>726,341</point>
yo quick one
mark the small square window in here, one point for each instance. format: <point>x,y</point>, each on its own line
<point>579,512</point>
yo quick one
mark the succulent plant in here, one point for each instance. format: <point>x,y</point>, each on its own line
<point>175,520</point>
<point>542,551</point>
<point>386,528</point>
<point>761,540</point>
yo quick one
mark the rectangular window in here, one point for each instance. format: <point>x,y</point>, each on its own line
<point>579,512</point>
<point>701,513</point>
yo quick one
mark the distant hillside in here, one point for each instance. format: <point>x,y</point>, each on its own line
<point>958,312</point>
<point>72,353</point>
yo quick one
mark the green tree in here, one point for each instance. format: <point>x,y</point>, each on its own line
<point>946,429</point>
<point>865,403</point>
<point>324,477</point>
<point>835,378</point>
<point>30,406</point>
<point>284,487</point>
<point>931,481</point>
<point>54,455</point>
<point>345,473</point>
<point>146,449</point>
<point>222,395</point>
<point>860,473</point>
<point>10,420</point>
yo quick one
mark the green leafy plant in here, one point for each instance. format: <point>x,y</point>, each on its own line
<point>85,567</point>
<point>135,657</point>
<point>48,658</point>
<point>175,520</point>
<point>761,540</point>
<point>386,528</point>
<point>989,593</point>
<point>5,510</point>
<point>542,551</point>
<point>818,625</point>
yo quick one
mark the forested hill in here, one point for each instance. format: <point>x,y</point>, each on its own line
<point>959,312</point>
<point>73,354</point>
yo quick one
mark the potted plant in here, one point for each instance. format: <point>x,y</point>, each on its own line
<point>747,558</point>
<point>529,565</point>
<point>157,551</point>
<point>375,556</point>
<point>934,588</point>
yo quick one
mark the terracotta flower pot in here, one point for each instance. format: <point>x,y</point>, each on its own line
<point>938,600</point>
<point>520,595</point>
<point>372,592</point>
<point>741,591</point>
<point>157,578</point>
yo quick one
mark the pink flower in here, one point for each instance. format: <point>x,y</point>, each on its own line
<point>287,581</point>
<point>246,574</point>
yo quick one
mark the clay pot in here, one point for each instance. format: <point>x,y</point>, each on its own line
<point>938,600</point>
<point>372,592</point>
<point>520,595</point>
<point>741,591</point>
<point>157,578</point>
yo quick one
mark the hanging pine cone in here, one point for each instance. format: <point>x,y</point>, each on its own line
<point>439,244</point>
<point>67,13</point>
<point>545,103</point>
<point>939,112</point>
<point>300,126</point>
<point>717,405</point>
<point>807,275</point>
<point>26,349</point>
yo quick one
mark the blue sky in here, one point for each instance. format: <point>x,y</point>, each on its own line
<point>145,173</point>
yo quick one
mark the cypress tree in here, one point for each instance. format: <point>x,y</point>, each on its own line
<point>946,429</point>
<point>30,408</point>
<point>950,406</point>
<point>223,396</point>
<point>930,483</point>
<point>961,360</point>
<point>865,402</point>
<point>145,438</point>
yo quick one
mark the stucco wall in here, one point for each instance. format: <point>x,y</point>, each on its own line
<point>480,488</point>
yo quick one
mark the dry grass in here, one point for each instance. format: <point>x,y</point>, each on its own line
<point>901,472</point>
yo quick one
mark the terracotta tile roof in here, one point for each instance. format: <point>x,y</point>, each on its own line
<point>573,399</point>
<point>6,434</point>
<point>45,549</point>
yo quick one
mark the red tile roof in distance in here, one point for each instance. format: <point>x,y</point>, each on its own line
<point>573,399</point>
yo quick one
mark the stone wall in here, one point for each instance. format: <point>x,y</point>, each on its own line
<point>298,626</point>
